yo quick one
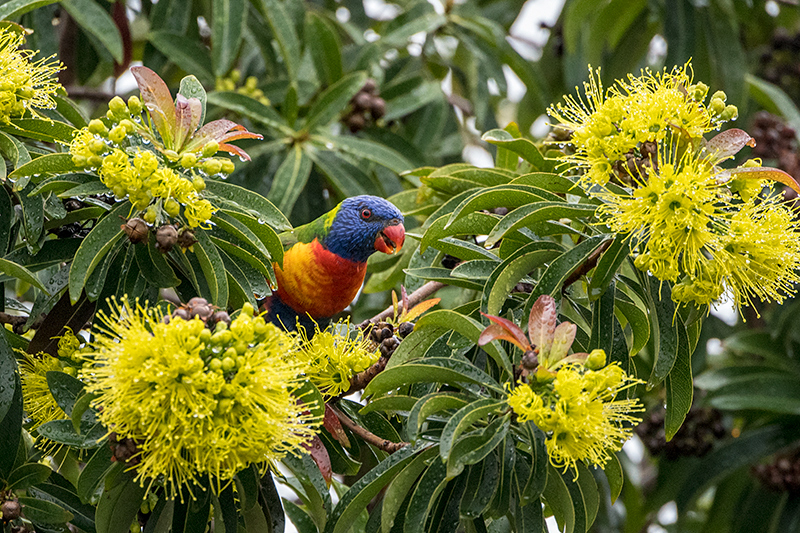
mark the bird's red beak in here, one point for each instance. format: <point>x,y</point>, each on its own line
<point>390,240</point>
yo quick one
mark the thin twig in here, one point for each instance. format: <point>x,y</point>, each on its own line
<point>590,263</point>
<point>413,299</point>
<point>369,437</point>
<point>362,379</point>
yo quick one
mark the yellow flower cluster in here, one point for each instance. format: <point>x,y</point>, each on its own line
<point>688,228</point>
<point>197,403</point>
<point>330,359</point>
<point>38,401</point>
<point>250,87</point>
<point>24,84</point>
<point>139,175</point>
<point>578,413</point>
<point>610,126</point>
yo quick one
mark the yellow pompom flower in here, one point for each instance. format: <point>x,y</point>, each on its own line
<point>330,359</point>
<point>197,404</point>
<point>25,85</point>
<point>38,401</point>
<point>611,126</point>
<point>579,413</point>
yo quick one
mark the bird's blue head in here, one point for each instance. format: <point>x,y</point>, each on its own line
<point>363,225</point>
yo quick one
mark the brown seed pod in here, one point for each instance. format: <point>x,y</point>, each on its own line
<point>369,86</point>
<point>404,329</point>
<point>362,101</point>
<point>377,107</point>
<point>356,123</point>
<point>166,238</point>
<point>136,229</point>
<point>186,238</point>
<point>10,510</point>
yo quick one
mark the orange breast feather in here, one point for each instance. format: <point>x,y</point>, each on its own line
<point>316,281</point>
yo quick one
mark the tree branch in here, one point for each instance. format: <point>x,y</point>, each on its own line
<point>590,263</point>
<point>413,299</point>
<point>369,437</point>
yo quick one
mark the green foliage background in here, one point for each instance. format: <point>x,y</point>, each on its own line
<point>309,60</point>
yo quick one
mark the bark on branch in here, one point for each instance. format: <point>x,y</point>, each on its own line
<point>369,437</point>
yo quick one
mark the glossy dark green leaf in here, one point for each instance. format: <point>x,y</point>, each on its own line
<point>229,18</point>
<point>94,472</point>
<point>363,490</point>
<point>8,376</point>
<point>94,247</point>
<point>430,404</point>
<point>501,503</point>
<point>395,402</point>
<point>664,328</point>
<point>290,179</point>
<point>680,389</point>
<point>515,267</point>
<point>63,495</point>
<point>614,474</point>
<point>250,202</point>
<point>366,149</point>
<point>11,424</point>
<point>13,270</point>
<point>94,19</point>
<point>463,419</point>
<point>250,108</point>
<point>569,512</point>
<point>276,15</point>
<point>472,224</point>
<point>424,497</point>
<point>191,514</point>
<point>775,100</point>
<point>40,167</point>
<point>508,196</point>
<point>44,512</point>
<point>213,269</point>
<point>398,489</point>
<point>481,486</point>
<point>332,102</point>
<point>61,431</point>
<point>431,370</point>
<point>537,476</point>
<point>473,448</point>
<point>15,8</point>
<point>27,475</point>
<point>522,147</point>
<point>607,266</point>
<point>65,389</point>
<point>32,217</point>
<point>602,336</point>
<point>153,264</point>
<point>325,46</point>
<point>118,505</point>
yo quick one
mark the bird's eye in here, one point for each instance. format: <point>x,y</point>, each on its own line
<point>366,213</point>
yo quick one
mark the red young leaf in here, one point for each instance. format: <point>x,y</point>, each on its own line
<point>158,100</point>
<point>562,341</point>
<point>234,150</point>
<point>183,116</point>
<point>512,332</point>
<point>728,143</point>
<point>542,323</point>
<point>319,454</point>
<point>331,422</point>
<point>496,332</point>
<point>764,173</point>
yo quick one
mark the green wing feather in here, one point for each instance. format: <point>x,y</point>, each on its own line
<point>306,233</point>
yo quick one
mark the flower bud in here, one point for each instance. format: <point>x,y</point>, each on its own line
<point>97,146</point>
<point>172,155</point>
<point>96,161</point>
<point>172,207</point>
<point>134,105</point>
<point>129,126</point>
<point>719,95</point>
<point>228,363</point>
<point>211,148</point>
<point>596,359</point>
<point>199,184</point>
<point>10,510</point>
<point>700,91</point>
<point>212,166</point>
<point>97,127</point>
<point>117,107</point>
<point>151,214</point>
<point>188,160</point>
<point>117,134</point>
<point>227,166</point>
<point>716,106</point>
<point>730,112</point>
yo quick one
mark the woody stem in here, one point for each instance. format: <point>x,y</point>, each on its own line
<point>369,437</point>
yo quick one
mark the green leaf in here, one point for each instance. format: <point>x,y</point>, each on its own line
<point>65,389</point>
<point>11,423</point>
<point>508,196</point>
<point>188,54</point>
<point>777,393</point>
<point>473,448</point>
<point>8,377</point>
<point>27,475</point>
<point>250,202</point>
<point>61,431</point>
<point>325,46</point>
<point>290,179</point>
<point>192,88</point>
<point>568,511</point>
<point>469,328</point>
<point>43,130</point>
<point>268,237</point>
<point>602,336</point>
<point>680,388</point>
<point>362,491</point>
<point>560,269</point>
<point>62,495</point>
<point>226,33</point>
<point>366,149</point>
<point>252,109</point>
<point>153,265</point>
<point>119,504</point>
<point>81,410</point>
<point>46,164</point>
<point>665,326</point>
<point>548,181</point>
<point>613,472</point>
<point>95,20</point>
<point>463,419</point>
<point>191,515</point>
<point>44,512</point>
<point>213,269</point>
<point>94,247</point>
<point>608,265</point>
<point>637,319</point>
<point>398,489</point>
<point>346,178</point>
<point>431,370</point>
<point>531,214</point>
<point>15,8</point>
<point>522,147</point>
<point>70,111</point>
<point>423,498</point>
<point>283,29</point>
<point>515,267</point>
<point>472,224</point>
<point>481,486</point>
<point>430,404</point>
<point>333,101</point>
<point>20,272</point>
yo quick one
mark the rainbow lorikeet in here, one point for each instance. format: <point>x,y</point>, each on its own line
<point>325,261</point>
